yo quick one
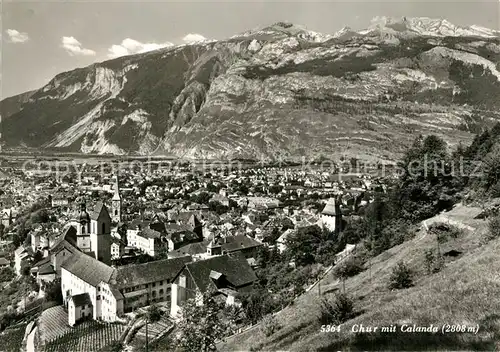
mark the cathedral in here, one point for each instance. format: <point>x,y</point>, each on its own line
<point>93,229</point>
<point>93,232</point>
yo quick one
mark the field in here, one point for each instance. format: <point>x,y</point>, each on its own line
<point>465,292</point>
<point>154,331</point>
<point>85,337</point>
<point>11,339</point>
<point>53,323</point>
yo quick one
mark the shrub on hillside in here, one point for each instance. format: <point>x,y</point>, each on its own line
<point>445,231</point>
<point>494,228</point>
<point>401,277</point>
<point>337,310</point>
<point>269,325</point>
<point>433,263</point>
<point>350,267</point>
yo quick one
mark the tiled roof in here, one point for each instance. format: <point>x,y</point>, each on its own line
<point>94,214</point>
<point>81,300</point>
<point>184,236</point>
<point>149,233</point>
<point>88,269</point>
<point>42,262</point>
<point>330,208</point>
<point>69,235</point>
<point>235,268</point>
<point>46,269</point>
<point>173,228</point>
<point>190,249</point>
<point>235,243</point>
<point>4,261</point>
<point>229,244</point>
<point>139,274</point>
<point>186,217</point>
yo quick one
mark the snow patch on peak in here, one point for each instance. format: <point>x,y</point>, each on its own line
<point>428,26</point>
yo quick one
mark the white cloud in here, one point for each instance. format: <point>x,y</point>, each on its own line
<point>16,36</point>
<point>74,47</point>
<point>193,38</point>
<point>130,46</point>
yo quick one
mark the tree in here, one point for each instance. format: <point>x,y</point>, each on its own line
<point>257,303</point>
<point>428,183</point>
<point>200,326</point>
<point>154,313</point>
<point>350,267</point>
<point>401,277</point>
<point>429,261</point>
<point>303,245</point>
<point>53,291</point>
<point>491,170</point>
<point>37,257</point>
<point>6,274</point>
<point>217,207</point>
<point>269,325</point>
<point>337,310</point>
<point>494,228</point>
<point>2,229</point>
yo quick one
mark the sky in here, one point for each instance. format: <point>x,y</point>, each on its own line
<point>43,38</point>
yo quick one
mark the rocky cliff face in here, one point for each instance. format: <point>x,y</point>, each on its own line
<point>278,92</point>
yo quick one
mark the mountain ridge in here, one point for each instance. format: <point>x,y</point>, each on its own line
<point>280,91</point>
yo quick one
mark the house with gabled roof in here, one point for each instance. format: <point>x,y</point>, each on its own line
<point>227,244</point>
<point>6,217</point>
<point>115,291</point>
<point>21,257</point>
<point>331,216</point>
<point>225,276</point>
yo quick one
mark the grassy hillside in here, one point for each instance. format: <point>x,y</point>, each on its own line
<point>464,292</point>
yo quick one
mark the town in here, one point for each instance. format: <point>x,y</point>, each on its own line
<point>108,246</point>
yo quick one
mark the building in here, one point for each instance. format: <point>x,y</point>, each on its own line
<point>44,271</point>
<point>94,232</point>
<point>331,216</point>
<point>281,242</point>
<point>219,245</point>
<point>6,217</point>
<point>21,257</point>
<point>110,292</point>
<point>221,199</point>
<point>157,238</point>
<point>4,263</point>
<point>262,203</point>
<point>116,203</point>
<point>59,200</point>
<point>117,248</point>
<point>190,220</point>
<point>225,276</point>
<point>79,308</point>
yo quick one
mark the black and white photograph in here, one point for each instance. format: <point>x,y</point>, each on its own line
<point>243,176</point>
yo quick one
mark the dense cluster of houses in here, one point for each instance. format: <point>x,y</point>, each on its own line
<point>193,248</point>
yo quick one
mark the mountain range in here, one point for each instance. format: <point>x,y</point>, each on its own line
<point>277,92</point>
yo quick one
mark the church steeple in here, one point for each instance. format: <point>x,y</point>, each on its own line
<point>116,202</point>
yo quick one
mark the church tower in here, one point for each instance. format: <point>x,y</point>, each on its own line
<point>83,229</point>
<point>101,233</point>
<point>331,216</point>
<point>116,203</point>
